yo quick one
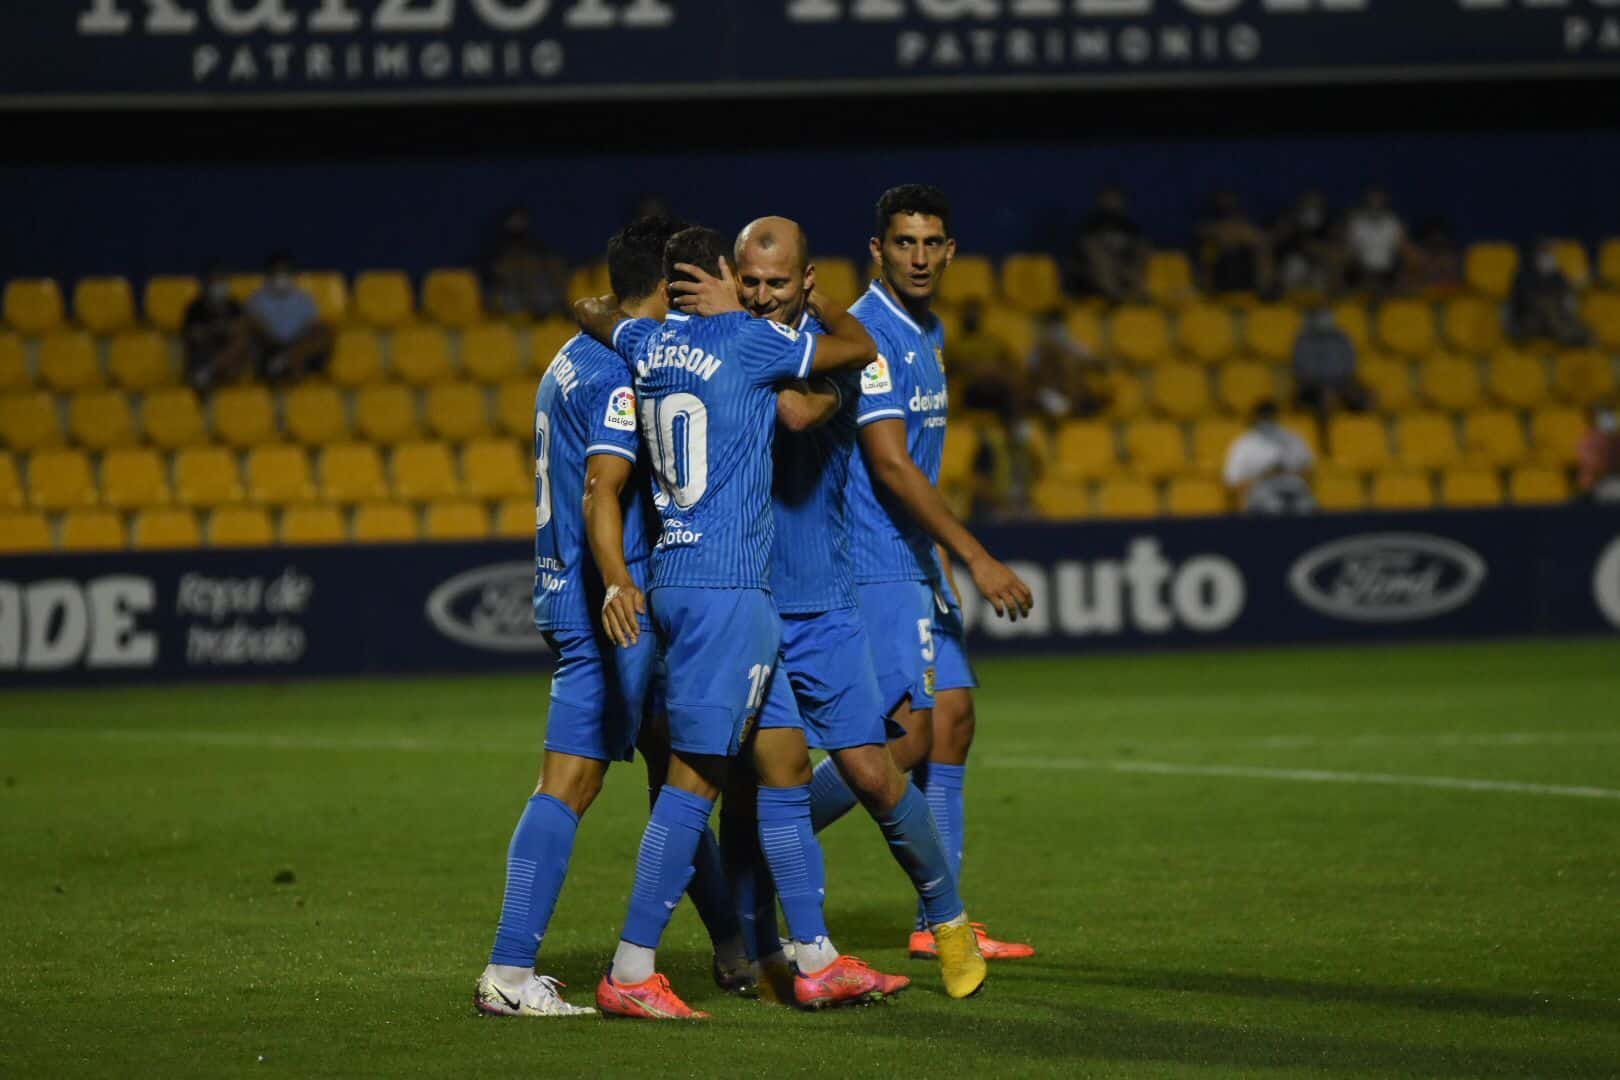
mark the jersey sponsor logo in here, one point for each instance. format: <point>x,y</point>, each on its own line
<point>678,533</point>
<point>1387,577</point>
<point>939,357</point>
<point>621,410</point>
<point>489,608</point>
<point>938,401</point>
<point>875,377</point>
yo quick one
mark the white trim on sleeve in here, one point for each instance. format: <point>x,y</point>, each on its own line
<point>609,448</point>
<point>879,414</point>
<point>618,328</point>
<point>809,352</point>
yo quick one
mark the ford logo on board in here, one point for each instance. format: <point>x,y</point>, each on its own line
<point>1387,577</point>
<point>491,607</point>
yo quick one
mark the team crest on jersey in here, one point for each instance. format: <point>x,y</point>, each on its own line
<point>621,410</point>
<point>928,681</point>
<point>786,331</point>
<point>939,358</point>
<point>875,377</point>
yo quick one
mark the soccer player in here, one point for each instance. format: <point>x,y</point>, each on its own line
<point>826,673</point>
<point>588,482</point>
<point>898,516</point>
<point>707,407</point>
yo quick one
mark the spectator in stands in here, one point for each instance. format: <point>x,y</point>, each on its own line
<point>1234,252</point>
<point>1310,250</point>
<point>286,325</point>
<point>1324,366</point>
<point>1376,239</point>
<point>218,348</point>
<point>1066,379</point>
<point>1110,255</point>
<point>520,276</point>
<point>1434,265</point>
<point>984,375</point>
<point>1543,303</point>
<point>1268,467</point>
<point>1598,475</point>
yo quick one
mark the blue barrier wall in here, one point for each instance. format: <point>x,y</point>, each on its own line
<point>1118,585</point>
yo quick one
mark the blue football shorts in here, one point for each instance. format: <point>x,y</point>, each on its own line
<point>825,681</point>
<point>900,631</point>
<point>952,671</point>
<point>720,648</point>
<point>598,692</point>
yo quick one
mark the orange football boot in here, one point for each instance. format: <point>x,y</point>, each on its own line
<point>922,946</point>
<point>651,999</point>
<point>845,981</point>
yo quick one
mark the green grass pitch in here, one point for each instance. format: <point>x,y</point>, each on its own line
<point>1376,861</point>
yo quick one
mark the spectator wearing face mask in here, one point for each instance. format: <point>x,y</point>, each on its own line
<point>1268,467</point>
<point>218,348</point>
<point>1598,473</point>
<point>1543,304</point>
<point>1376,239</point>
<point>292,340</point>
<point>1310,252</point>
<point>1324,366</point>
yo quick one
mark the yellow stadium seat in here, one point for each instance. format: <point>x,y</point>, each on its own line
<point>166,298</point>
<point>514,407</point>
<point>244,416</point>
<point>104,305</point>
<point>313,524</point>
<point>1181,391</point>
<point>385,523</point>
<point>515,518</point>
<point>1155,449</point>
<point>1572,260</point>
<point>100,418</point>
<point>278,474</point>
<point>1304,425</point>
<point>14,374</point>
<point>1242,386</point>
<point>1206,332</point>
<point>1351,317</point>
<point>33,306</point>
<point>455,519</point>
<point>1609,262</point>
<point>456,411</point>
<point>1084,324</point>
<point>1126,396</point>
<point>1140,335</point>
<point>11,489</point>
<point>172,418</point>
<point>1450,383</point>
<point>1555,436</point>
<point>1060,499</point>
<point>330,293</point>
<point>1335,490</point>
<point>1168,278</point>
<point>1031,283</point>
<point>61,480</point>
<point>356,358</point>
<point>496,469</point>
<point>243,286</point>
<point>546,340</point>
<point>1015,329</point>
<point>383,298</point>
<point>1532,485</point>
<point>1269,332</point>
<point>314,414</point>
<point>68,362</point>
<point>1389,380</point>
<point>207,476</point>
<point>420,355</point>
<point>24,532</point>
<point>1583,376</point>
<point>92,530</point>
<point>970,277</point>
<point>1407,327</point>
<point>139,360</point>
<point>451,297</point>
<point>1211,438</point>
<point>1470,488</point>
<point>1426,440</point>
<point>1122,497</point>
<point>29,420</point>
<point>351,472</point>
<point>1515,379</point>
<point>956,463</point>
<point>1399,490</point>
<point>489,352</point>
<point>1494,439</point>
<point>1358,443</point>
<point>240,526</point>
<point>1471,325</point>
<point>1489,269</point>
<point>837,277</point>
<point>1601,312</point>
<point>172,527</point>
<point>588,281</point>
<point>1191,496</point>
<point>385,414</point>
<point>1085,448</point>
<point>422,471</point>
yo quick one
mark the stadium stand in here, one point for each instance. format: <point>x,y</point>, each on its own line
<point>92,530</point>
<point>313,525</point>
<point>104,305</point>
<point>166,298</point>
<point>385,523</point>
<point>32,306</point>
<point>134,478</point>
<point>175,527</point>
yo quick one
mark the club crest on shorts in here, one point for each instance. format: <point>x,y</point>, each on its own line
<point>875,377</point>
<point>928,681</point>
<point>621,410</point>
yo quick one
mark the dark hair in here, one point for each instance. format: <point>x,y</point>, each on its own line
<point>700,246</point>
<point>279,258</point>
<point>635,256</point>
<point>913,199</point>
<point>1265,409</point>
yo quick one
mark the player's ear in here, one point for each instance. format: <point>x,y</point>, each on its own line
<point>875,246</point>
<point>810,278</point>
<point>950,249</point>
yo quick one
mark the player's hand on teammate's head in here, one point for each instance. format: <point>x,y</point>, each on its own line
<point>705,294</point>
<point>619,614</point>
<point>1004,589</point>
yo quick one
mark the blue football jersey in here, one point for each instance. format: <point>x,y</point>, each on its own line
<point>810,569</point>
<point>707,393</point>
<point>906,382</point>
<point>585,405</point>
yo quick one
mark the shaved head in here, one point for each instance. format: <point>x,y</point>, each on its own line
<point>774,275</point>
<point>770,233</point>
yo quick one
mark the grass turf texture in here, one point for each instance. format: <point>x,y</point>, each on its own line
<point>1187,924</point>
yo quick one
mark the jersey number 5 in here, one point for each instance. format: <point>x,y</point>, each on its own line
<point>677,432</point>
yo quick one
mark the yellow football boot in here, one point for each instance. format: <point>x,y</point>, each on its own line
<point>961,965</point>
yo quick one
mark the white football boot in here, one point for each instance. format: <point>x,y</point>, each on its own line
<point>536,997</point>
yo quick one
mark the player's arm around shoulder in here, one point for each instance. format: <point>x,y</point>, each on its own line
<point>805,404</point>
<point>845,343</point>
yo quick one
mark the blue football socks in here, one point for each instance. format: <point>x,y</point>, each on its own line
<point>536,863</point>
<point>917,847</point>
<point>794,856</point>
<point>753,891</point>
<point>830,797</point>
<point>664,864</point>
<point>942,784</point>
